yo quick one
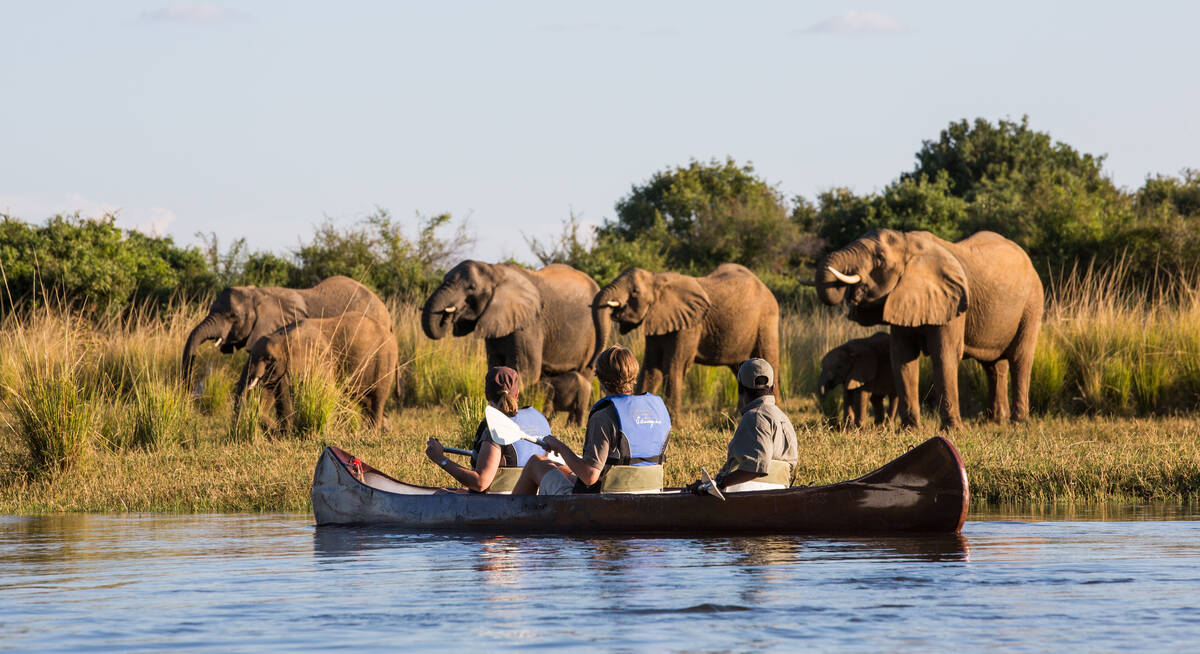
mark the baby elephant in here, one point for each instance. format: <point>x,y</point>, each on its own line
<point>361,352</point>
<point>571,391</point>
<point>864,367</point>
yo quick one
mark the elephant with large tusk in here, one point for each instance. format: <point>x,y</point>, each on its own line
<point>537,322</point>
<point>720,319</point>
<point>240,315</point>
<point>978,298</point>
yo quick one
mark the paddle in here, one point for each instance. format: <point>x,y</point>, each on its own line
<point>503,430</point>
<point>709,486</point>
<point>457,450</point>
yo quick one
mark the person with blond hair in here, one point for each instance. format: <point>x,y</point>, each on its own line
<point>622,447</point>
<point>496,467</point>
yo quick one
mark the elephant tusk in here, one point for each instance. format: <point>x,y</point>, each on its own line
<point>612,303</point>
<point>450,309</point>
<point>253,383</point>
<point>845,279</point>
<point>220,339</point>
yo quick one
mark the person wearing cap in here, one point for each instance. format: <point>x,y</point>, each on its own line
<point>763,450</point>
<point>495,468</point>
<point>622,446</point>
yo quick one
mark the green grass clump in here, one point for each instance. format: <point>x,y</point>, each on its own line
<point>160,415</point>
<point>52,414</point>
<point>469,411</point>
<point>247,423</point>
<point>317,402</point>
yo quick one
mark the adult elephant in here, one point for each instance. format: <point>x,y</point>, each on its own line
<point>536,322</point>
<point>979,297</point>
<point>240,315</point>
<point>720,319</point>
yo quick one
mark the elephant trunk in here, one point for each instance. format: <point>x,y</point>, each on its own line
<point>835,274</point>
<point>211,327</point>
<point>437,315</point>
<point>602,323</point>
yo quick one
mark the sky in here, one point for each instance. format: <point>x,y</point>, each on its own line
<point>262,119</point>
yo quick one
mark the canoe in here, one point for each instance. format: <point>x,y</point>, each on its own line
<point>924,490</point>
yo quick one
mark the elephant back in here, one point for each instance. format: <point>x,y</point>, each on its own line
<point>338,294</point>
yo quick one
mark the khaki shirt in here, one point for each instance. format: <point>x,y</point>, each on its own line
<point>764,433</point>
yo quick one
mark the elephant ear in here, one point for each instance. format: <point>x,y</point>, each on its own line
<point>932,289</point>
<point>862,369</point>
<point>680,302</point>
<point>515,303</point>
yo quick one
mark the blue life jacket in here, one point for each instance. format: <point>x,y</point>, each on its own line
<point>532,422</point>
<point>645,428</point>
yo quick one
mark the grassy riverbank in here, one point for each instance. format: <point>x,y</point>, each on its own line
<point>93,416</point>
<point>1049,460</point>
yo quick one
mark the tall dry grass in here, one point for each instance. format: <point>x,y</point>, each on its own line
<point>78,398</point>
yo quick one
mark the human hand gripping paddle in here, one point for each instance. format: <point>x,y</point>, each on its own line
<point>706,486</point>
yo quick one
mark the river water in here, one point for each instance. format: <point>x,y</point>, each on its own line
<point>1015,580</point>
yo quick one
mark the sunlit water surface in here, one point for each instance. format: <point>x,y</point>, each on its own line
<point>1107,579</point>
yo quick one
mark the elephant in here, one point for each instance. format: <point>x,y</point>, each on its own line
<point>536,322</point>
<point>979,297</point>
<point>240,315</point>
<point>863,367</point>
<point>361,351</point>
<point>571,390</point>
<point>720,319</point>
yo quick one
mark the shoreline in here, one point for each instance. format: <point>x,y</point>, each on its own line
<point>1050,460</point>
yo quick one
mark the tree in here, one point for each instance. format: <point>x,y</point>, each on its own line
<point>705,214</point>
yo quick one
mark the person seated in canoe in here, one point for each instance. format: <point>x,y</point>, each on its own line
<point>496,466</point>
<point>622,446</point>
<point>763,450</point>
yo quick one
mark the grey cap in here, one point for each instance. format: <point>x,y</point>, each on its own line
<point>756,373</point>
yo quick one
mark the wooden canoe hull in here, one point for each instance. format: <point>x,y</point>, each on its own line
<point>924,491</point>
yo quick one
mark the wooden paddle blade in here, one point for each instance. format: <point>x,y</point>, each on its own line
<point>710,486</point>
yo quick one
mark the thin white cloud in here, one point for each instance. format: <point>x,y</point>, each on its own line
<point>857,22</point>
<point>200,13</point>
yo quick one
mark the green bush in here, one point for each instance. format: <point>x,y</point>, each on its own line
<point>94,265</point>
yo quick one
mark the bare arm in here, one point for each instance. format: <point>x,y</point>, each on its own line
<point>478,479</point>
<point>582,469</point>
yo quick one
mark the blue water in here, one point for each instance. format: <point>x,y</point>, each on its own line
<point>1013,581</point>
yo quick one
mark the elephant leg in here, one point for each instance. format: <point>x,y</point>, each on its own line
<point>502,351</point>
<point>893,405</point>
<point>678,357</point>
<point>997,377</point>
<point>945,348</point>
<point>550,392</point>
<point>767,347</point>
<point>1022,368</point>
<point>877,408</point>
<point>847,409</point>
<point>651,375</point>
<point>239,389</point>
<point>529,342</point>
<point>906,371</point>
<point>284,406</point>
<point>860,406</point>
